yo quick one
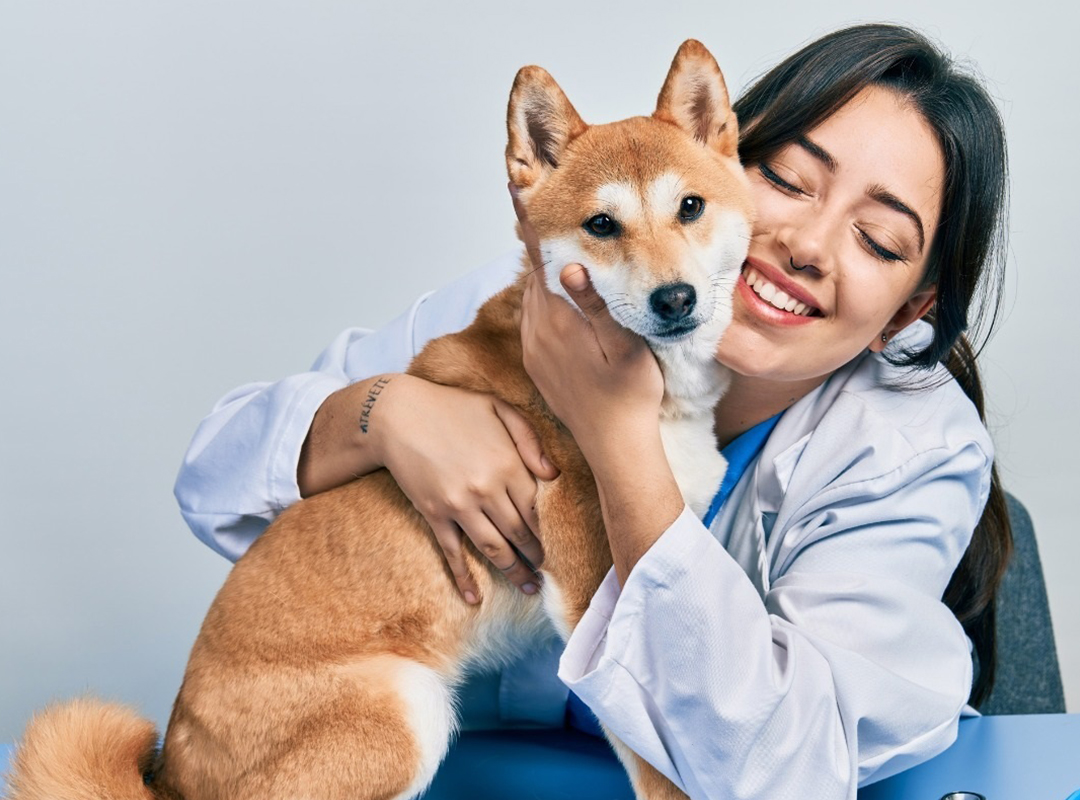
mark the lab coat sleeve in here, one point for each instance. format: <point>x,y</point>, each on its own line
<point>240,468</point>
<point>848,670</point>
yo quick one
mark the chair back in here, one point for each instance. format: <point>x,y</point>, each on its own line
<point>1028,679</point>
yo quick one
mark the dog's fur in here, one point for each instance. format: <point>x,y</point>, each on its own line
<point>327,665</point>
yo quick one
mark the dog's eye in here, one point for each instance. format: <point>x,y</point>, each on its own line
<point>602,226</point>
<point>690,208</point>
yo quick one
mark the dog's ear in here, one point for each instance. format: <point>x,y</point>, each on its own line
<point>540,123</point>
<point>695,98</point>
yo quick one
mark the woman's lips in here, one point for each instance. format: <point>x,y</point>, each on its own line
<point>765,310</point>
<point>781,281</point>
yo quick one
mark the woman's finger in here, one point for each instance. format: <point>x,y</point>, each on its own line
<point>609,333</point>
<point>508,521</point>
<point>485,536</point>
<point>450,539</point>
<point>523,498</point>
<point>526,441</point>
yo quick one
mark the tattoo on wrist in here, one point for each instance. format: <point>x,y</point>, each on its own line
<point>369,403</point>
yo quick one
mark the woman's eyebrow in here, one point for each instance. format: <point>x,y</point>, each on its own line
<point>818,152</point>
<point>876,192</point>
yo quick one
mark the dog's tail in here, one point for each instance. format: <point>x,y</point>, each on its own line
<point>82,750</point>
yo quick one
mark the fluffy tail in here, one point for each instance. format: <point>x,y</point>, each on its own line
<point>84,750</point>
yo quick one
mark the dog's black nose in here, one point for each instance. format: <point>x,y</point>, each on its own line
<point>673,302</point>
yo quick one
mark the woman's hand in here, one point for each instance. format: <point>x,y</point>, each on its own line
<point>465,460</point>
<point>595,375</point>
<point>604,383</point>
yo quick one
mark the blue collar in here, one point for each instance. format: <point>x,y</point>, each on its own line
<point>739,453</point>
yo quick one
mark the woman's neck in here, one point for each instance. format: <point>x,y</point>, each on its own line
<point>749,401</point>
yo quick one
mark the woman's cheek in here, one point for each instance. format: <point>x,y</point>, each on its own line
<point>768,204</point>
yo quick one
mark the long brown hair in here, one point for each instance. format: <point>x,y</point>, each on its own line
<point>967,255</point>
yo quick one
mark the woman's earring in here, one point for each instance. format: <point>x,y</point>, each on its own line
<point>884,338</point>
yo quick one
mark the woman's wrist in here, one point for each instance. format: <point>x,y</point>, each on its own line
<point>348,434</point>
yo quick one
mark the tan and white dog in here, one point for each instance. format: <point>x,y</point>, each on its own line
<point>327,664</point>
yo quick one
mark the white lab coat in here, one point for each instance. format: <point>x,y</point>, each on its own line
<point>797,648</point>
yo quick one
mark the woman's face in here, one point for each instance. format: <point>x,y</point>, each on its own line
<point>855,204</point>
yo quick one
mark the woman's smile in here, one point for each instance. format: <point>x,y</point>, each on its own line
<point>768,294</point>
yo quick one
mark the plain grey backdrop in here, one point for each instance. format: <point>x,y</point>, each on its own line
<point>198,194</point>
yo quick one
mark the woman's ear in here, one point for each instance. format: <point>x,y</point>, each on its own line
<point>915,307</point>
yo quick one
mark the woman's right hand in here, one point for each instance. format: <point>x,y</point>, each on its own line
<point>467,461</point>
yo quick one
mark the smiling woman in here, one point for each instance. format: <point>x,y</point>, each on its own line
<point>919,148</point>
<point>812,625</point>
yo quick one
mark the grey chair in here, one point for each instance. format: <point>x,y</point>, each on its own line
<point>1028,677</point>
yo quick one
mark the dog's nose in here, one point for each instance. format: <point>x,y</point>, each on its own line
<point>673,302</point>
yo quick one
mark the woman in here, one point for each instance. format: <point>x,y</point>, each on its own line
<point>813,647</point>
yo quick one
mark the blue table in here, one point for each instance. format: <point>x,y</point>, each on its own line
<point>1003,758</point>
<point>1034,757</point>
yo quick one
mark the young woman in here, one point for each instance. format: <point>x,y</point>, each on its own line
<point>807,634</point>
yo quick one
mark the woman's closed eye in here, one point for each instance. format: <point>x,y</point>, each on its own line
<point>876,250</point>
<point>768,174</point>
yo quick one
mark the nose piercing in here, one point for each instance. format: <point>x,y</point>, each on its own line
<point>798,269</point>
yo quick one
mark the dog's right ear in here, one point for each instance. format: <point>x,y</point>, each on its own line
<point>695,98</point>
<point>540,123</point>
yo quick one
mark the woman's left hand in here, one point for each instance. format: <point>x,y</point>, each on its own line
<point>599,378</point>
<point>604,383</point>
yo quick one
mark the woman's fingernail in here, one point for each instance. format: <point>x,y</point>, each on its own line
<point>470,598</point>
<point>576,280</point>
<point>528,588</point>
<point>545,463</point>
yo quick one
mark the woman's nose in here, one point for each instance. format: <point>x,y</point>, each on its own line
<point>806,238</point>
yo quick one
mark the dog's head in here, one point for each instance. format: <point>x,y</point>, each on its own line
<point>656,208</point>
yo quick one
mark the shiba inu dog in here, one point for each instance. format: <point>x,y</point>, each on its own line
<point>327,664</point>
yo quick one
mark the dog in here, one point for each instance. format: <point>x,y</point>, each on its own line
<point>327,664</point>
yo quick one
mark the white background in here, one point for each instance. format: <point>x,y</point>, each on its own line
<point>194,195</point>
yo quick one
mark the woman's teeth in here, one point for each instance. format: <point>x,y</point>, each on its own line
<point>774,296</point>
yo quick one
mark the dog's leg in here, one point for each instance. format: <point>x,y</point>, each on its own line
<point>576,551</point>
<point>381,738</point>
<point>577,557</point>
<point>375,728</point>
<point>648,782</point>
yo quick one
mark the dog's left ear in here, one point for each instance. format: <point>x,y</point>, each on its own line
<point>540,123</point>
<point>695,98</point>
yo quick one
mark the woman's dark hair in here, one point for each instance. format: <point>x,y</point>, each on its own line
<point>967,253</point>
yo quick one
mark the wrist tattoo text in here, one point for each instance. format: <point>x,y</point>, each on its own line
<point>369,403</point>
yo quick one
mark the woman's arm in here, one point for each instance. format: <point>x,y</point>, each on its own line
<point>848,669</point>
<point>465,460</point>
<point>605,385</point>
<point>264,446</point>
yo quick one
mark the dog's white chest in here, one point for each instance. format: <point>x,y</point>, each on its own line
<point>698,466</point>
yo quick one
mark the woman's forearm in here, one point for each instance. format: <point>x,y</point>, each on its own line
<point>639,497</point>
